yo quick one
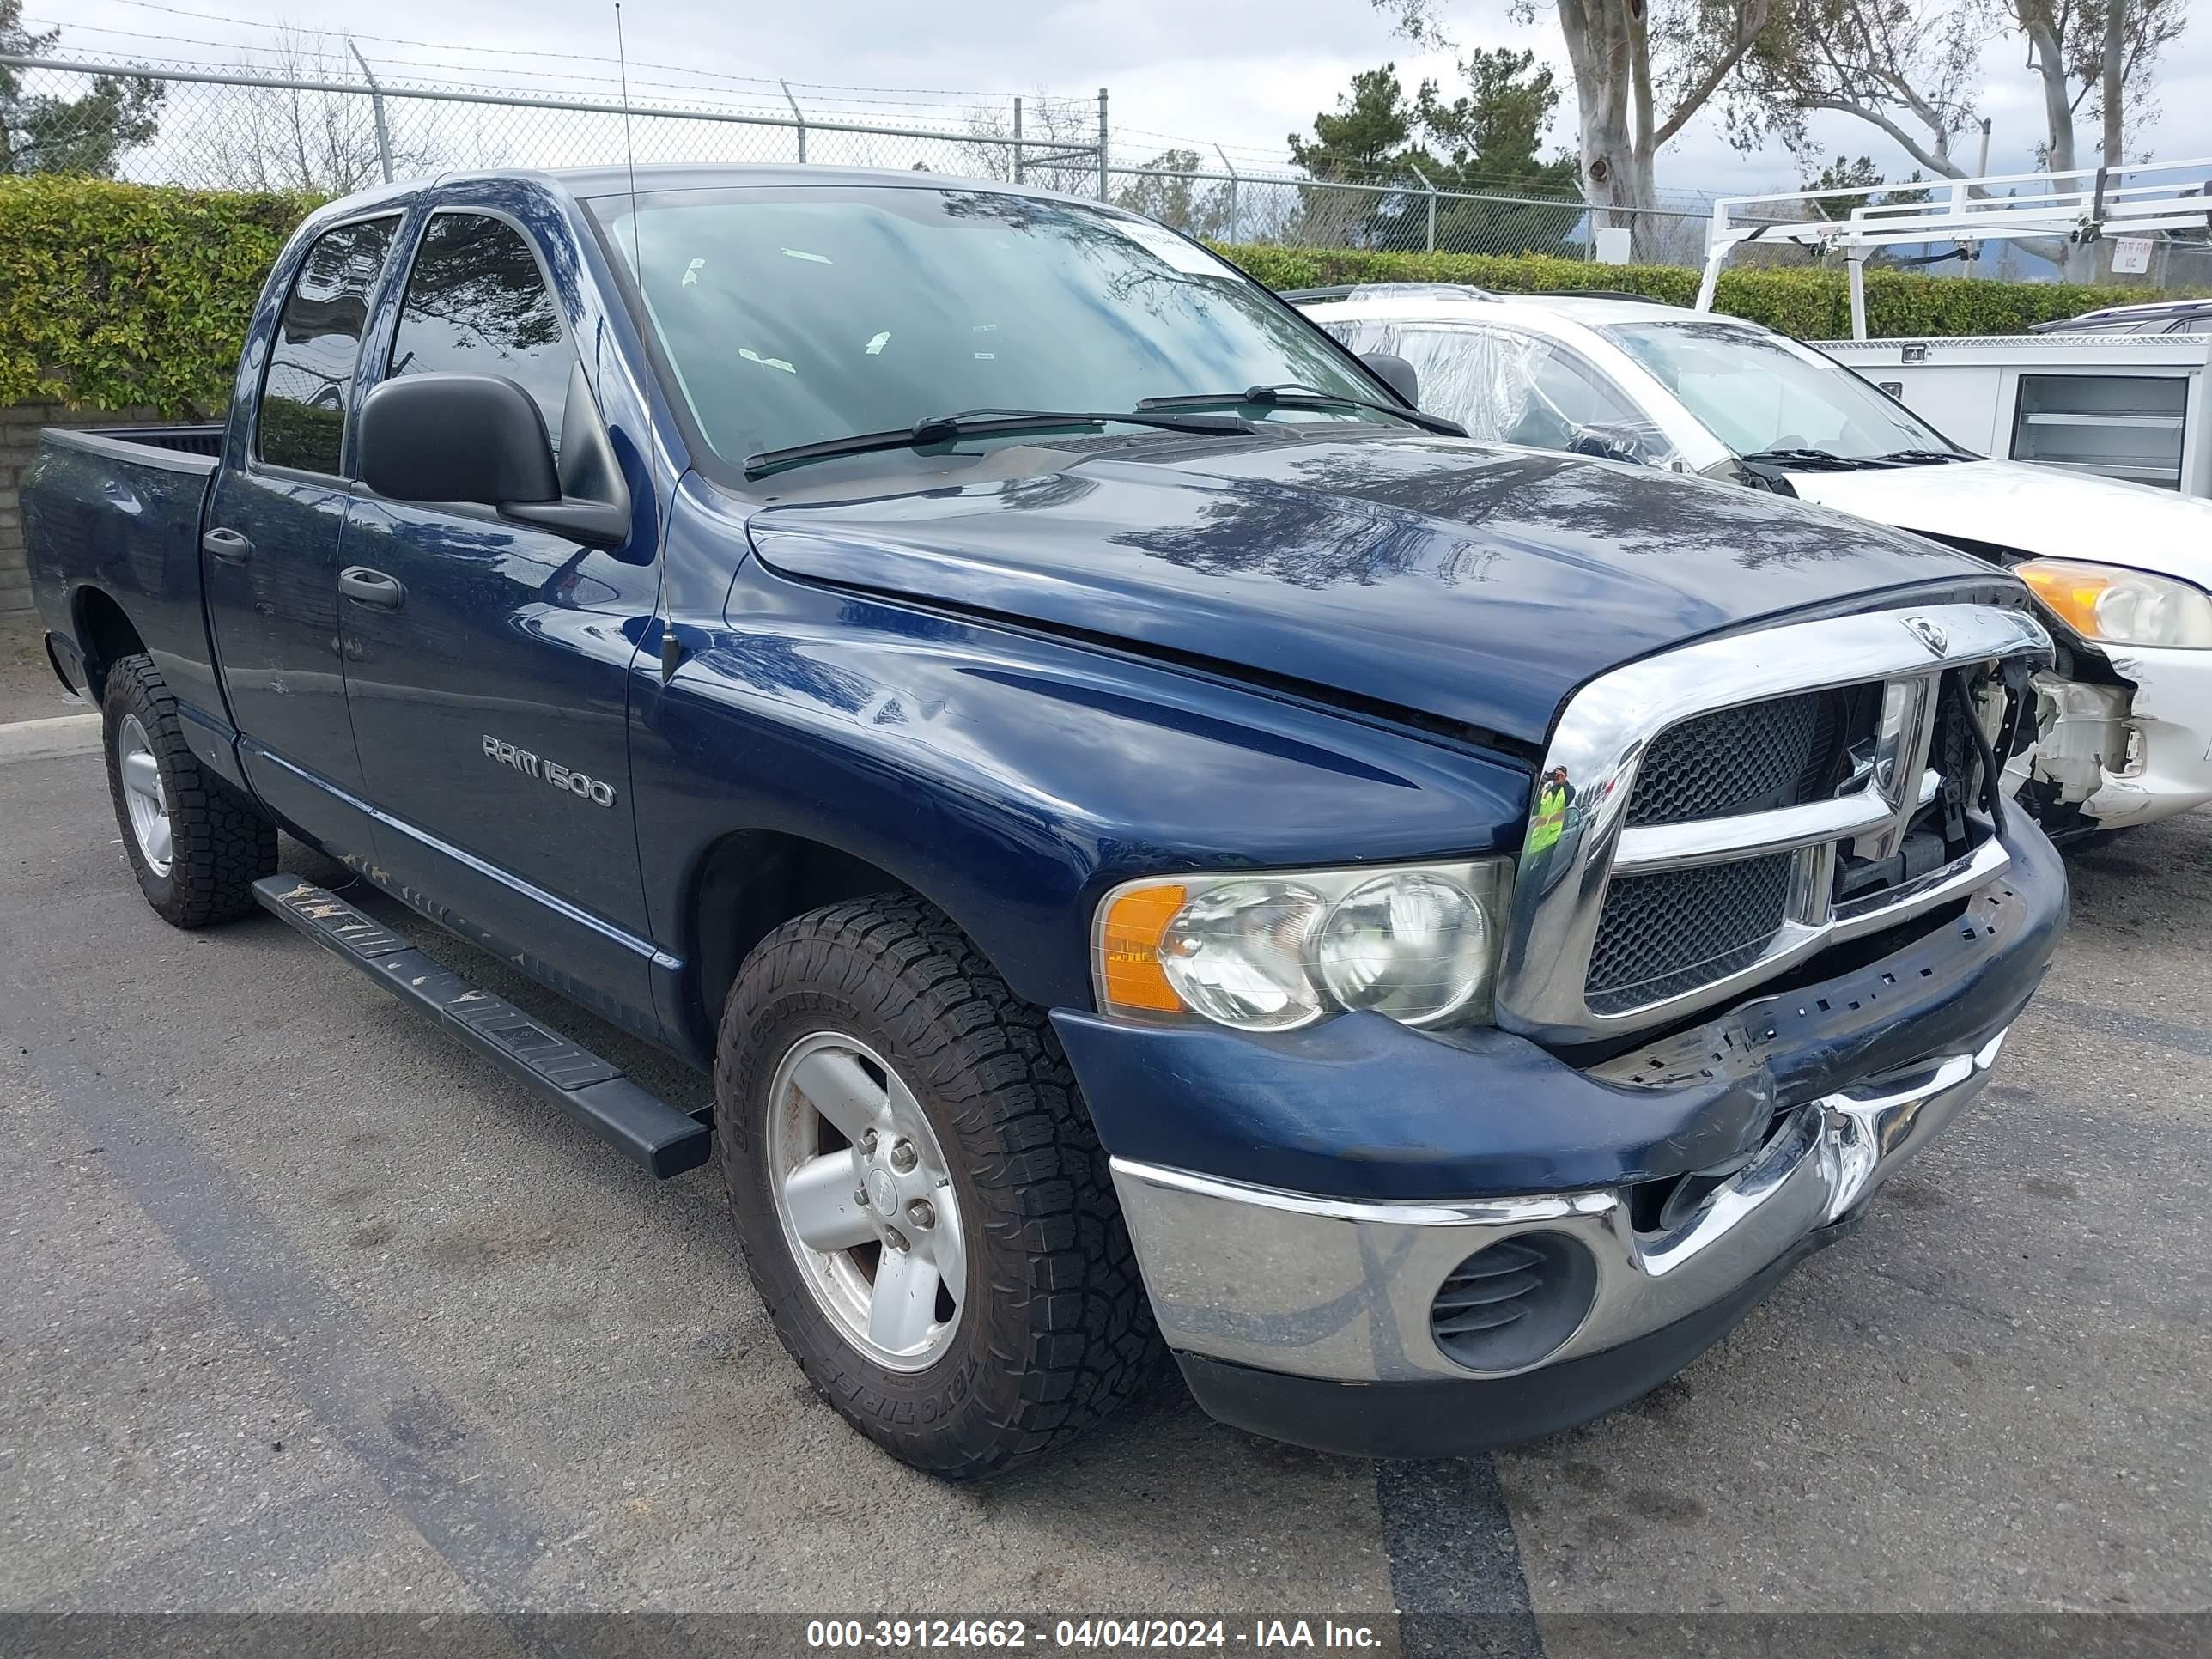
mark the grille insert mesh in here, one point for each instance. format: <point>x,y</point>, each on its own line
<point>1672,932</point>
<point>1747,759</point>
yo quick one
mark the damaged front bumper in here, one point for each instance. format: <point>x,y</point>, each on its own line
<point>1370,1240</point>
<point>1323,1322</point>
<point>2112,756</point>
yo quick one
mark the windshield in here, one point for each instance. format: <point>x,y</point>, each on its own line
<point>795,315</point>
<point>1757,391</point>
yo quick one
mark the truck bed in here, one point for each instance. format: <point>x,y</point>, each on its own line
<point>114,512</point>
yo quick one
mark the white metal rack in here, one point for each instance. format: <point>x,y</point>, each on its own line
<point>2081,206</point>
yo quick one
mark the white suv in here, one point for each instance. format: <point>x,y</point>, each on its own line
<point>2125,730</point>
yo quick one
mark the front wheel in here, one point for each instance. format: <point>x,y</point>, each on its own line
<point>923,1205</point>
<point>195,843</point>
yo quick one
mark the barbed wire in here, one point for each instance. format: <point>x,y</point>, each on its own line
<point>331,53</point>
<point>340,64</point>
<point>877,94</point>
<point>325,125</point>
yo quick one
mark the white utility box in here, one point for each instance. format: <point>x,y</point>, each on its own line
<point>2129,406</point>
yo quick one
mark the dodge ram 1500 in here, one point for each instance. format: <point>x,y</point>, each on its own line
<point>1161,844</point>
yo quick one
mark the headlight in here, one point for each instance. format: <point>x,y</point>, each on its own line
<point>2120,606</point>
<point>1269,952</point>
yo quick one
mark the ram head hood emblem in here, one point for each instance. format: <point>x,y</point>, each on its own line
<point>1928,634</point>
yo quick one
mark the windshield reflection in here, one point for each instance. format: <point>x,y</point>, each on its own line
<point>797,314</point>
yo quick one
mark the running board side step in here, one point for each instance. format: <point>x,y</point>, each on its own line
<point>633,1120</point>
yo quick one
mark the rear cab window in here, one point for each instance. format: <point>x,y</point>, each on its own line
<point>301,416</point>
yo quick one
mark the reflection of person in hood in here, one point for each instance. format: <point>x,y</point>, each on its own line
<point>1553,796</point>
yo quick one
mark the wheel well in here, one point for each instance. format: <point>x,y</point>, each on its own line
<point>105,635</point>
<point>755,881</point>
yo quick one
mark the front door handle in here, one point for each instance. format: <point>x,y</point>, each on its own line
<point>228,545</point>
<point>366,586</point>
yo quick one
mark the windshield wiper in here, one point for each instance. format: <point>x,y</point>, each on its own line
<point>1291,395</point>
<point>1818,459</point>
<point>984,424</point>
<point>1923,457</point>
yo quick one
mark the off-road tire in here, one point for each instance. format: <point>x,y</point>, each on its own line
<point>1055,1331</point>
<point>222,843</point>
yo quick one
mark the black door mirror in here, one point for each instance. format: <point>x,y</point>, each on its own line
<point>456,438</point>
<point>482,439</point>
<point>1395,372</point>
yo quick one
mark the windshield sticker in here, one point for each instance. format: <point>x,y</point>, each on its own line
<point>752,356</point>
<point>1172,249</point>
<point>876,345</point>
<point>691,273</point>
<point>801,253</point>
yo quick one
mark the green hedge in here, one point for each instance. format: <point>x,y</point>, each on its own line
<point>119,296</point>
<point>1813,305</point>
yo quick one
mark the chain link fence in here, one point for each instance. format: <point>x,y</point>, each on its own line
<point>1288,210</point>
<point>215,128</point>
<point>323,130</point>
<point>226,130</point>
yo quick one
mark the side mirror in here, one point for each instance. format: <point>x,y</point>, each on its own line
<point>481,438</point>
<point>456,438</point>
<point>1604,446</point>
<point>1395,372</point>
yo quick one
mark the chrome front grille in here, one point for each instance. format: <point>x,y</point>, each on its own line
<point>1713,794</point>
<point>1740,760</point>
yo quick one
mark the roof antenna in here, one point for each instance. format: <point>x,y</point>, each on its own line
<point>629,162</point>
<point>672,648</point>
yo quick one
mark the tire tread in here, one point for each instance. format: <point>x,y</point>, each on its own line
<point>223,843</point>
<point>1086,1338</point>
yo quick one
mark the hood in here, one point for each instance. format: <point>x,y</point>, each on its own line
<point>2043,511</point>
<point>1469,583</point>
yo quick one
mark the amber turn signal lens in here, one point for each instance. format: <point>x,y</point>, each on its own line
<point>1129,942</point>
<point>2071,592</point>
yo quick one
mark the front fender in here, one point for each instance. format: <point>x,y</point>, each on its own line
<point>1012,778</point>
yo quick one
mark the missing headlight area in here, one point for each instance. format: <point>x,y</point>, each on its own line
<point>2083,733</point>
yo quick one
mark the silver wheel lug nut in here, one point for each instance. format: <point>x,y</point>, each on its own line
<point>895,1238</point>
<point>860,1196</point>
<point>868,1142</point>
<point>922,1214</point>
<point>903,1156</point>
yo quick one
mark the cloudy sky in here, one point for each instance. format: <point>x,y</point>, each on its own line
<point>1240,73</point>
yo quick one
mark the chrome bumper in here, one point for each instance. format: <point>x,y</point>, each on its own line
<point>1326,1288</point>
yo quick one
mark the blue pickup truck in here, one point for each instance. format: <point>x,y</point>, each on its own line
<point>1161,845</point>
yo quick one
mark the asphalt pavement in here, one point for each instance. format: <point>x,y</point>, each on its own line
<point>306,1308</point>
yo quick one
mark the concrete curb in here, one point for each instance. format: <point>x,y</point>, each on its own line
<point>65,734</point>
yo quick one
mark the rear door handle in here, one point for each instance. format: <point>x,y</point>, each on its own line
<point>366,586</point>
<point>228,545</point>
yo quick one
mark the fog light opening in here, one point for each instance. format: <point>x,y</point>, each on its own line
<point>1513,1303</point>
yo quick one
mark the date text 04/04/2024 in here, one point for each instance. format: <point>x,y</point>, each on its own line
<point>1088,1635</point>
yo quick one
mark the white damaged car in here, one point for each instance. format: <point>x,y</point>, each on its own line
<point>2124,570</point>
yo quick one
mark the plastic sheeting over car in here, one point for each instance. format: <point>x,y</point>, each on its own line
<point>1510,387</point>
